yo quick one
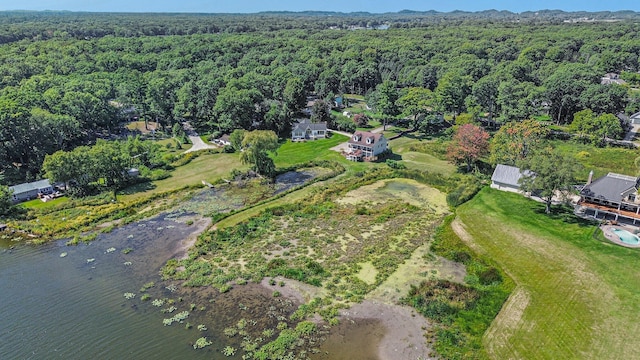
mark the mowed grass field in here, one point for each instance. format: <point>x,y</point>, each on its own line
<point>207,167</point>
<point>291,153</point>
<point>419,160</point>
<point>576,297</point>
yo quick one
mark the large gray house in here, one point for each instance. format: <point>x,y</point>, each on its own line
<point>364,145</point>
<point>307,130</point>
<point>613,194</point>
<point>28,191</point>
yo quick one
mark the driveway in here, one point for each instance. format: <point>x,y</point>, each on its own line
<point>631,135</point>
<point>198,144</point>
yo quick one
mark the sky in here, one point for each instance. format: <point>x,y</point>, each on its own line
<point>372,6</point>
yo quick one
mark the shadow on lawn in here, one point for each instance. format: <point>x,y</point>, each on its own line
<point>563,213</point>
<point>137,188</point>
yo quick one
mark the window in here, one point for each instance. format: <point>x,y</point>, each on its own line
<point>632,197</point>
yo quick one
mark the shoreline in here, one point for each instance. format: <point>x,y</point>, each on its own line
<point>367,330</point>
<point>201,225</point>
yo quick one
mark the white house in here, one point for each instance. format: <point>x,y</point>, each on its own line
<point>635,118</point>
<point>365,145</point>
<point>307,130</point>
<point>32,190</point>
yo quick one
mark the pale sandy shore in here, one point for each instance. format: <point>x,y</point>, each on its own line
<point>200,225</point>
<point>368,330</point>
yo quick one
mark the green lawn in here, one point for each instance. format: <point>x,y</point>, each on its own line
<point>600,160</point>
<point>207,167</point>
<point>575,297</point>
<point>39,204</point>
<point>420,160</point>
<point>292,153</point>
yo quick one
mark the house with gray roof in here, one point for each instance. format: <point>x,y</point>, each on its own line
<point>307,130</point>
<point>507,178</point>
<point>613,194</point>
<point>364,145</point>
<point>635,118</point>
<point>28,191</point>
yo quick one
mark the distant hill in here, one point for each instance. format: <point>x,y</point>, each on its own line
<point>484,14</point>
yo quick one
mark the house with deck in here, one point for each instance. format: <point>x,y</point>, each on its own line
<point>307,130</point>
<point>364,145</point>
<point>613,196</point>
<point>507,178</point>
<point>32,190</point>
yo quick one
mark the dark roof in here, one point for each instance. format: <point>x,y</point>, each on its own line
<point>611,187</point>
<point>305,124</point>
<point>360,138</point>
<point>509,175</point>
<point>26,187</point>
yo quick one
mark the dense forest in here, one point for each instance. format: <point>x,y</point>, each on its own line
<point>67,79</point>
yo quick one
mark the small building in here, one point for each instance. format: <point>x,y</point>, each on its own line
<point>507,178</point>
<point>634,119</point>
<point>32,190</point>
<point>364,145</point>
<point>307,130</point>
<point>611,78</point>
<point>133,172</point>
<point>223,140</point>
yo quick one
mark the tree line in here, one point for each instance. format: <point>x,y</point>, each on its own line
<point>66,90</point>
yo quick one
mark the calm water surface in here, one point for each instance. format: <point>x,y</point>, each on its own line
<point>73,307</point>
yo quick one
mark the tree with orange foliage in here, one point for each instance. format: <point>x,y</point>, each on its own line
<point>470,143</point>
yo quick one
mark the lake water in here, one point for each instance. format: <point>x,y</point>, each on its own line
<point>73,306</point>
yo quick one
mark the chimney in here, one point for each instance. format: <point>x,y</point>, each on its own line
<point>590,179</point>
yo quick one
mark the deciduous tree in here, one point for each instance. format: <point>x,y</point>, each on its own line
<point>516,140</point>
<point>552,174</point>
<point>470,143</point>
<point>257,145</point>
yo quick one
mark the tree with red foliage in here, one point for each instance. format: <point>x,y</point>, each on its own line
<point>360,120</point>
<point>470,142</point>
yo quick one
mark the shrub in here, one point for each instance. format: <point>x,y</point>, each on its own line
<point>395,164</point>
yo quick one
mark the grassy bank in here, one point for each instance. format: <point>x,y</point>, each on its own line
<point>461,313</point>
<point>575,297</point>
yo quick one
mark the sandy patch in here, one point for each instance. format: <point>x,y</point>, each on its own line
<point>369,330</point>
<point>199,226</point>
<point>415,270</point>
<point>406,190</point>
<point>367,272</point>
<point>396,332</point>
